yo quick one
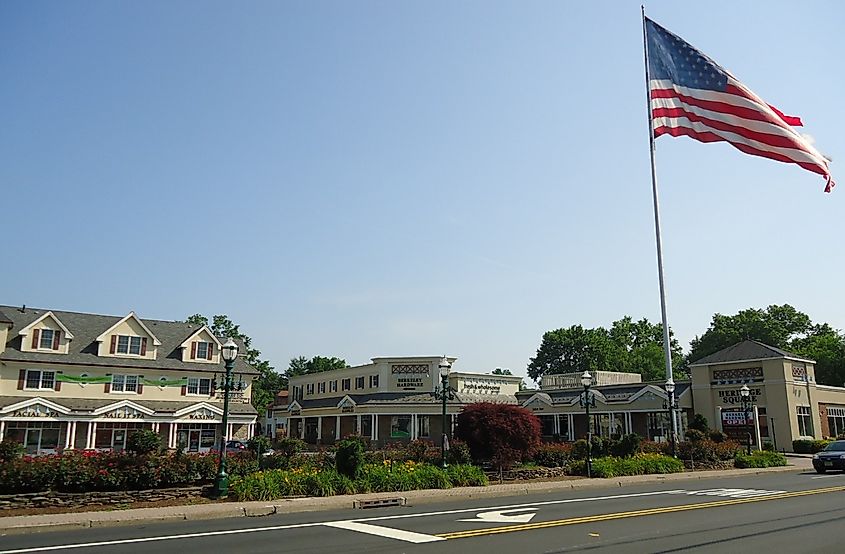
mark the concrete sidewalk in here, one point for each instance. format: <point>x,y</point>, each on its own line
<point>47,522</point>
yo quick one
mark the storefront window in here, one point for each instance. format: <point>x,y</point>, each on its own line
<point>37,437</point>
<point>400,427</point>
<point>609,425</point>
<point>196,437</point>
<point>366,426</point>
<point>548,424</point>
<point>805,421</point>
<point>836,421</point>
<point>659,427</point>
<point>423,426</point>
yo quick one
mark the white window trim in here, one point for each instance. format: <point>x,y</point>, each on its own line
<point>41,339</point>
<point>124,379</point>
<point>204,356</point>
<point>199,382</point>
<point>41,373</point>
<point>129,345</point>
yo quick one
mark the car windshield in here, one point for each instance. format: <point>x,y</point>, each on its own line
<point>837,446</point>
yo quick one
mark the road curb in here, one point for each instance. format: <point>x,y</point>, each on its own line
<point>81,520</point>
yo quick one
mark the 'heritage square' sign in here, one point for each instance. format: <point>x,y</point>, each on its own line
<point>733,396</point>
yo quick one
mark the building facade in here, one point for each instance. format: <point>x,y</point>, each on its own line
<point>393,399</point>
<point>387,400</point>
<point>71,380</point>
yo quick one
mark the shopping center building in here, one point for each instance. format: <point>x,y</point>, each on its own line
<point>396,399</point>
<point>72,380</point>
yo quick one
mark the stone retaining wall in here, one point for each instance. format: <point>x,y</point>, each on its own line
<point>79,500</point>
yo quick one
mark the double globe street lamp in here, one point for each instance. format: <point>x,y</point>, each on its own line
<point>588,400</point>
<point>444,393</point>
<point>229,352</point>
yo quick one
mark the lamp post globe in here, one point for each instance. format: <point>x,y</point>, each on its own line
<point>444,367</point>
<point>745,393</point>
<point>229,353</point>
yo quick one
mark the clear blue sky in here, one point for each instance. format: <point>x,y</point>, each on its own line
<point>357,179</point>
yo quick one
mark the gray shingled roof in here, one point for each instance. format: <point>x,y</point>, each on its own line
<point>747,350</point>
<point>567,395</point>
<point>83,347</point>
<point>4,318</point>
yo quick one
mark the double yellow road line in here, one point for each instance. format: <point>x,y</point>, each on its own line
<point>637,513</point>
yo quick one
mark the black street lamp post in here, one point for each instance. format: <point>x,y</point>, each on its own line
<point>672,407</point>
<point>444,393</point>
<point>745,393</point>
<point>229,351</point>
<point>588,400</point>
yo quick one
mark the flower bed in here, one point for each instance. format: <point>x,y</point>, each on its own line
<point>760,458</point>
<point>115,471</point>
<point>384,477</point>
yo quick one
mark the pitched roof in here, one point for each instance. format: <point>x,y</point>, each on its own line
<point>745,351</point>
<point>4,318</point>
<point>83,348</point>
<point>159,406</point>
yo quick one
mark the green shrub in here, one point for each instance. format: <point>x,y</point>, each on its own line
<point>641,464</point>
<point>289,447</point>
<point>806,446</point>
<point>760,458</point>
<point>718,436</point>
<point>11,450</point>
<point>699,423</point>
<point>627,446</point>
<point>695,435</point>
<point>458,453</point>
<point>349,458</point>
<point>707,450</point>
<point>258,444</point>
<point>553,455</point>
<point>143,441</point>
<point>466,475</point>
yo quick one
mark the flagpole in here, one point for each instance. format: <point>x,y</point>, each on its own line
<point>666,344</point>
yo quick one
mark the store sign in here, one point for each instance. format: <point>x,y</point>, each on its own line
<point>203,414</point>
<point>125,413</point>
<point>35,411</point>
<point>347,409</point>
<point>733,396</point>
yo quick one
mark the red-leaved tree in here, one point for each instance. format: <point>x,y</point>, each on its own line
<point>500,433</point>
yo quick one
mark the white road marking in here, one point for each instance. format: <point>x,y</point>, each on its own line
<point>389,532</point>
<point>827,476</point>
<point>734,493</point>
<point>501,516</point>
<point>160,538</point>
<point>301,525</point>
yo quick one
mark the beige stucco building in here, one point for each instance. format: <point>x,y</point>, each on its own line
<point>71,380</point>
<point>393,399</point>
<point>390,399</point>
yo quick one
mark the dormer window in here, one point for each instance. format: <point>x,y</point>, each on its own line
<point>130,345</point>
<point>202,350</point>
<point>46,340</point>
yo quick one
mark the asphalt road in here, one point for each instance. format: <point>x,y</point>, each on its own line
<point>783,512</point>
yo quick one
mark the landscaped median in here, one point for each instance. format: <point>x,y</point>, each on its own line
<point>387,477</point>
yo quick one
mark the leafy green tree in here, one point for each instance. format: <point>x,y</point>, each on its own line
<point>269,382</point>
<point>500,371</point>
<point>317,364</point>
<point>782,327</point>
<point>628,346</point>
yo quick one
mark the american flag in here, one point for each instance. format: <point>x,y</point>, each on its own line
<point>694,96</point>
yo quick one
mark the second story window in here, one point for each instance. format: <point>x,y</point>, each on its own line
<point>321,387</point>
<point>199,386</point>
<point>359,383</point>
<point>46,340</point>
<point>129,345</point>
<point>333,386</point>
<point>124,383</point>
<point>345,384</point>
<point>39,380</point>
<point>373,381</point>
<point>309,388</point>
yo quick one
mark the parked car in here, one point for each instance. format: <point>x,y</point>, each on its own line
<point>832,457</point>
<point>236,445</point>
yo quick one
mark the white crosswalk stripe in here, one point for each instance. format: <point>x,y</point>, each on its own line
<point>734,493</point>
